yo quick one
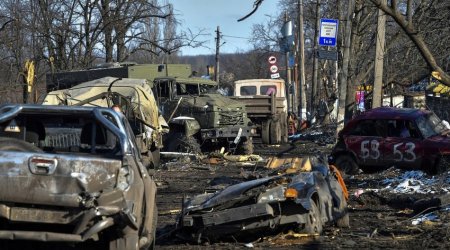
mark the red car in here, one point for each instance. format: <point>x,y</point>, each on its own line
<point>384,137</point>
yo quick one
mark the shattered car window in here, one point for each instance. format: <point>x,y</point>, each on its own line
<point>430,125</point>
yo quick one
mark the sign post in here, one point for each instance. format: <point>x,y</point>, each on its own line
<point>273,68</point>
<point>328,32</point>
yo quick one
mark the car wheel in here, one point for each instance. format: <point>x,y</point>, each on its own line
<point>346,164</point>
<point>343,221</point>
<point>313,223</point>
<point>442,165</point>
<point>128,242</point>
<point>12,144</point>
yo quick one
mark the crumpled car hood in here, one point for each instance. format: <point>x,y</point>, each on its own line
<point>304,180</point>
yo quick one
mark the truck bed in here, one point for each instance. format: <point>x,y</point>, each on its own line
<point>262,105</point>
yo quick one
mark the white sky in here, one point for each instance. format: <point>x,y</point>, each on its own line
<point>208,14</point>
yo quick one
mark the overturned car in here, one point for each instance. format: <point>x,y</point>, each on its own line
<point>302,200</point>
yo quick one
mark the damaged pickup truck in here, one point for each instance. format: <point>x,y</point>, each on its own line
<point>94,189</point>
<point>300,200</point>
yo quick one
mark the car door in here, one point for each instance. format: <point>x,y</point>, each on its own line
<point>404,144</point>
<point>365,141</point>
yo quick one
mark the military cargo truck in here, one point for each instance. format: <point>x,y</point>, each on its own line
<point>200,118</point>
<point>266,105</point>
<point>65,80</point>
<point>133,97</point>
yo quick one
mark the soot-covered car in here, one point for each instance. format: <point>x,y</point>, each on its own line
<point>384,137</point>
<point>303,201</point>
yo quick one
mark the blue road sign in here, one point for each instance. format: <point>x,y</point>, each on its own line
<point>328,32</point>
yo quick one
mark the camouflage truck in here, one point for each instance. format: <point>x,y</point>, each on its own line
<point>201,119</point>
<point>135,99</point>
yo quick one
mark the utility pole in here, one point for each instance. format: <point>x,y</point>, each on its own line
<point>216,69</point>
<point>316,60</point>
<point>301,64</point>
<point>287,30</point>
<point>345,63</point>
<point>379,58</point>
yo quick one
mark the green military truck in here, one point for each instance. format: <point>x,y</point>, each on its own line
<point>198,117</point>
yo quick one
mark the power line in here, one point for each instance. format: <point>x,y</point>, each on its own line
<point>239,37</point>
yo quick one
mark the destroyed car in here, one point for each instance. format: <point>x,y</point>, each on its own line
<point>299,200</point>
<point>384,137</point>
<point>73,174</point>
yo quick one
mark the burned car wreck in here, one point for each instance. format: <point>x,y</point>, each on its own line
<point>73,174</point>
<point>299,200</point>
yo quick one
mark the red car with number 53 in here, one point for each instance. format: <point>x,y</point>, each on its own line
<point>384,137</point>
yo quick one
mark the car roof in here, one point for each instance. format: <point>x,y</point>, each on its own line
<point>392,113</point>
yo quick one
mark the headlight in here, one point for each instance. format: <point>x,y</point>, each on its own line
<point>273,194</point>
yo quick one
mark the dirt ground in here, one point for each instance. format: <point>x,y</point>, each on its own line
<point>385,209</point>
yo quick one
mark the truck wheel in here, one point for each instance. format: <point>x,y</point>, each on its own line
<point>179,142</point>
<point>246,146</point>
<point>265,132</point>
<point>156,158</point>
<point>284,129</point>
<point>12,144</point>
<point>346,165</point>
<point>275,132</point>
<point>313,223</point>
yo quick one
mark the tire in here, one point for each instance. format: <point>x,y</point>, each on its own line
<point>156,158</point>
<point>128,242</point>
<point>346,165</point>
<point>246,146</point>
<point>153,232</point>
<point>265,132</point>
<point>313,223</point>
<point>12,144</point>
<point>441,166</point>
<point>179,142</point>
<point>344,221</point>
<point>275,132</point>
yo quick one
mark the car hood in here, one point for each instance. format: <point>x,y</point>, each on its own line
<point>210,200</point>
<point>302,182</point>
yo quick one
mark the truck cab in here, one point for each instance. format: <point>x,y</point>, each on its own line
<point>200,118</point>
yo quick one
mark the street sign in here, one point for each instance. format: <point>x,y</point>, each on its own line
<point>327,55</point>
<point>272,59</point>
<point>274,76</point>
<point>328,32</point>
<point>273,69</point>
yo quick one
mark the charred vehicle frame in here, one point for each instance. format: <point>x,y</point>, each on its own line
<point>303,201</point>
